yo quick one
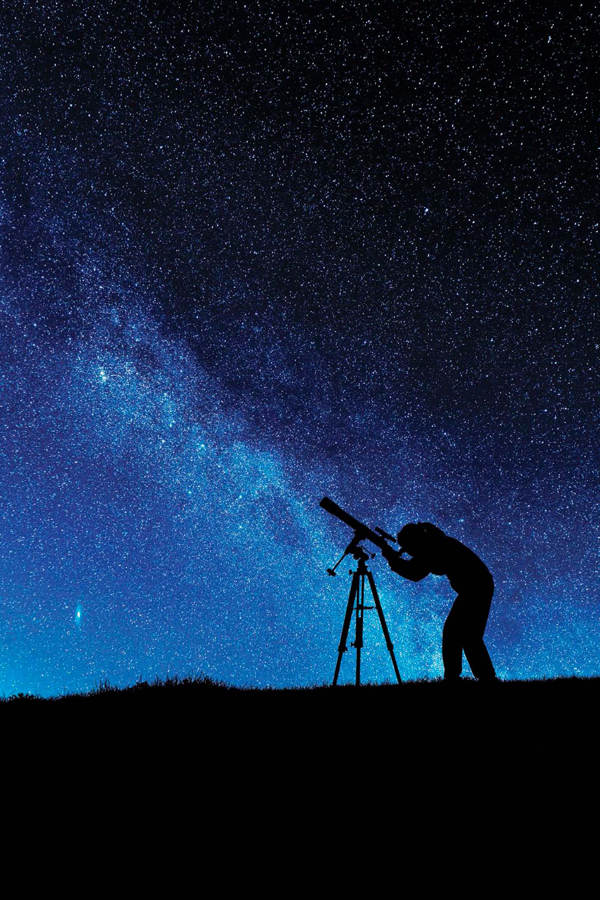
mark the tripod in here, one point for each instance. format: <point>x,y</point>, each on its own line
<point>356,603</point>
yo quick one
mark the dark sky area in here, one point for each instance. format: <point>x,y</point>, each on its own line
<point>253,254</point>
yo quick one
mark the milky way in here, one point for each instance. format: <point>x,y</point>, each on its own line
<point>255,254</point>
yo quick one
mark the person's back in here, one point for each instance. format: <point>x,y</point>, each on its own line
<point>463,568</point>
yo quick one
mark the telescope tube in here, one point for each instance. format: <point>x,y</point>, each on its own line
<point>363,531</point>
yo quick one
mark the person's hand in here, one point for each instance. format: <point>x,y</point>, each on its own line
<point>388,552</point>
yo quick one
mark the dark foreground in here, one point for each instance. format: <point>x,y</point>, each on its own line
<point>478,718</point>
<point>423,759</point>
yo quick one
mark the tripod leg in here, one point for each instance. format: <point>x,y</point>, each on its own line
<point>384,627</point>
<point>346,627</point>
<point>360,612</point>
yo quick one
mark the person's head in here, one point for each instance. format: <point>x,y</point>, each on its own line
<point>418,537</point>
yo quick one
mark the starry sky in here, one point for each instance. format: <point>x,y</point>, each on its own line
<point>253,254</point>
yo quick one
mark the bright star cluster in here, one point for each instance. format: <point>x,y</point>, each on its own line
<point>252,254</point>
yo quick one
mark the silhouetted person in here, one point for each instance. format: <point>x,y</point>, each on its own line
<point>434,552</point>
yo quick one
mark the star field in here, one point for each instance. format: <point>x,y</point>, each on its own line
<point>253,254</point>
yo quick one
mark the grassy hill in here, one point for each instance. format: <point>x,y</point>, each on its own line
<point>427,710</point>
<point>418,746</point>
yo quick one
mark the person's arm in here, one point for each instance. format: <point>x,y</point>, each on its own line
<point>408,568</point>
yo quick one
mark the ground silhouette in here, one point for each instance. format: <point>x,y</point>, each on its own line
<point>414,747</point>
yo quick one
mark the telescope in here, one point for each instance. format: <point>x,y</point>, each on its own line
<point>362,532</point>
<point>362,575</point>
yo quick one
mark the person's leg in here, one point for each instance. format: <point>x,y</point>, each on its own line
<point>479,658</point>
<point>452,644</point>
<point>472,639</point>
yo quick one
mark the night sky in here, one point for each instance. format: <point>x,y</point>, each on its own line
<point>252,254</point>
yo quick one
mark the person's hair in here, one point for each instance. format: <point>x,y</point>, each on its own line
<point>418,536</point>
